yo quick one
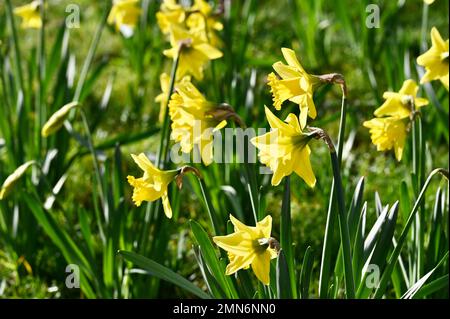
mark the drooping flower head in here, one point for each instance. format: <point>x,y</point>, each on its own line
<point>124,15</point>
<point>194,54</point>
<point>164,80</point>
<point>56,121</point>
<point>293,83</point>
<point>31,17</point>
<point>435,60</point>
<point>249,246</point>
<point>193,120</point>
<point>170,13</point>
<point>285,149</point>
<point>399,104</point>
<point>388,133</point>
<point>11,180</point>
<point>152,185</point>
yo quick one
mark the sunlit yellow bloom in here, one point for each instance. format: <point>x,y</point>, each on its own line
<point>285,149</point>
<point>11,180</point>
<point>435,60</point>
<point>56,121</point>
<point>295,85</point>
<point>399,104</point>
<point>125,15</point>
<point>249,246</point>
<point>31,17</point>
<point>192,120</point>
<point>162,97</point>
<point>202,20</point>
<point>388,133</point>
<point>195,52</point>
<point>171,13</point>
<point>153,185</point>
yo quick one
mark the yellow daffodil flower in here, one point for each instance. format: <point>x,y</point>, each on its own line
<point>435,60</point>
<point>124,15</point>
<point>203,21</point>
<point>285,149</point>
<point>249,246</point>
<point>171,13</point>
<point>293,84</point>
<point>153,185</point>
<point>192,120</point>
<point>388,133</point>
<point>11,180</point>
<point>31,17</point>
<point>194,53</point>
<point>400,104</point>
<point>162,97</point>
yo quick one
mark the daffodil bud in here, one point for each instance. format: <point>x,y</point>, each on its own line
<point>56,121</point>
<point>12,179</point>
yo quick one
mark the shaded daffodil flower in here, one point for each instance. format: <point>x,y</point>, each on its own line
<point>250,246</point>
<point>435,60</point>
<point>388,133</point>
<point>194,52</point>
<point>285,149</point>
<point>31,17</point>
<point>399,104</point>
<point>170,13</point>
<point>293,83</point>
<point>124,15</point>
<point>194,120</point>
<point>153,184</point>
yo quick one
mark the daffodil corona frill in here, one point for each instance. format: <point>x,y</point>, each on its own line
<point>387,133</point>
<point>194,52</point>
<point>249,246</point>
<point>124,15</point>
<point>293,84</point>
<point>193,120</point>
<point>31,17</point>
<point>435,60</point>
<point>285,149</point>
<point>152,185</point>
<point>399,104</point>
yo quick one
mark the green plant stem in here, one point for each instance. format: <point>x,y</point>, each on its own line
<point>165,132</point>
<point>325,264</point>
<point>393,258</point>
<point>209,206</point>
<point>40,110</point>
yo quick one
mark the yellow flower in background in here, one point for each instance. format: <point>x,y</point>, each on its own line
<point>435,60</point>
<point>171,13</point>
<point>399,104</point>
<point>124,15</point>
<point>387,133</point>
<point>31,17</point>
<point>11,180</point>
<point>194,54</point>
<point>203,21</point>
<point>56,121</point>
<point>293,84</point>
<point>249,246</point>
<point>285,149</point>
<point>152,185</point>
<point>162,97</point>
<point>192,120</point>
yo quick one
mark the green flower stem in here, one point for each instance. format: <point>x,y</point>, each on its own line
<point>209,207</point>
<point>325,264</point>
<point>40,109</point>
<point>401,241</point>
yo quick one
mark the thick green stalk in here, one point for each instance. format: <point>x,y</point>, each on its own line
<point>325,264</point>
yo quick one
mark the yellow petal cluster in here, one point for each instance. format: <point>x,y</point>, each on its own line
<point>124,15</point>
<point>293,83</point>
<point>31,17</point>
<point>164,80</point>
<point>285,149</point>
<point>247,246</point>
<point>435,60</point>
<point>152,185</point>
<point>192,122</point>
